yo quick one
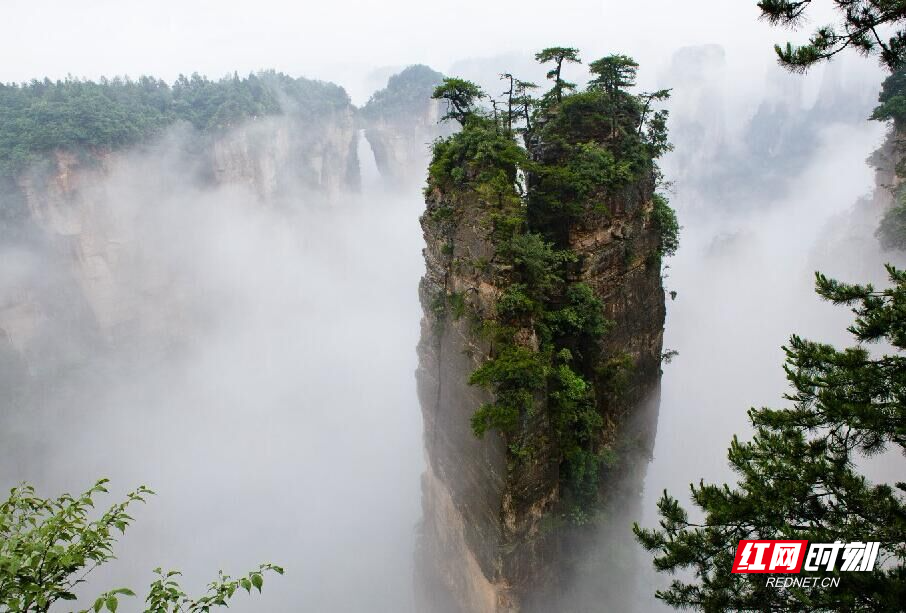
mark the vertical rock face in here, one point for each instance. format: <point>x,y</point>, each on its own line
<point>279,156</point>
<point>401,147</point>
<point>493,535</point>
<point>400,121</point>
<point>77,214</point>
<point>466,477</point>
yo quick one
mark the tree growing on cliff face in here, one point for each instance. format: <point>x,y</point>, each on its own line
<point>524,102</point>
<point>871,27</point>
<point>891,107</point>
<point>798,476</point>
<point>461,97</point>
<point>613,73</point>
<point>529,202</point>
<point>48,547</point>
<point>558,55</point>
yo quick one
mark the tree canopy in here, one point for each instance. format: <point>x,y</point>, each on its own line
<point>891,107</point>
<point>871,27</point>
<point>799,477</point>
<point>596,144</point>
<point>559,56</point>
<point>613,72</point>
<point>461,97</point>
<point>41,116</point>
<point>405,94</point>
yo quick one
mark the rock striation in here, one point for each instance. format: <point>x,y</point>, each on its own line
<point>501,531</point>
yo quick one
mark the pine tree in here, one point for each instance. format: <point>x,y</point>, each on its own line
<point>798,476</point>
<point>461,97</point>
<point>863,26</point>
<point>558,55</point>
<point>613,73</point>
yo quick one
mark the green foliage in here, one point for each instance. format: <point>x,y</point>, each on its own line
<point>892,99</point>
<point>595,115</point>
<point>599,143</point>
<point>892,107</point>
<point>166,595</point>
<point>613,73</point>
<point>892,228</point>
<point>588,174</point>
<point>558,55</point>
<point>537,264</point>
<point>615,373</point>
<point>576,422</point>
<point>441,214</point>
<point>48,547</point>
<point>41,116</point>
<point>860,27</point>
<point>580,319</point>
<point>798,476</point>
<point>457,304</point>
<point>663,218</point>
<point>480,157</point>
<point>514,375</point>
<point>561,314</point>
<point>461,97</point>
<point>46,543</point>
<point>546,334</point>
<point>515,303</point>
<point>405,94</point>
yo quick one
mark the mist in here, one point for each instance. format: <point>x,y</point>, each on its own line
<point>265,389</point>
<point>744,277</point>
<point>256,358</point>
<point>769,188</point>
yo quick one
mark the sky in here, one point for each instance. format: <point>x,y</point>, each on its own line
<point>348,41</point>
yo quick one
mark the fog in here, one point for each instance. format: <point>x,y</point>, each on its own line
<point>353,42</point>
<point>267,396</point>
<point>744,277</point>
<point>262,381</point>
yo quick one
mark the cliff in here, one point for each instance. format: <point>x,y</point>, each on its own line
<point>541,337</point>
<point>85,167</point>
<point>401,121</point>
<point>744,147</point>
<point>82,214</point>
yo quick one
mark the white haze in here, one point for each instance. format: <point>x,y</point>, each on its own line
<point>283,425</point>
<point>346,42</point>
<point>279,423</point>
<point>745,283</point>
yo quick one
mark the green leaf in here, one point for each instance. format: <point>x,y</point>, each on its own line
<point>111,603</point>
<point>257,581</point>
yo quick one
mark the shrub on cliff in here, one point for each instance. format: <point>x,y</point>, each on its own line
<point>584,152</point>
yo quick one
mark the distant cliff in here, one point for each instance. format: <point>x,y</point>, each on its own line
<point>889,162</point>
<point>542,334</point>
<point>744,146</point>
<point>84,165</point>
<point>401,121</point>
